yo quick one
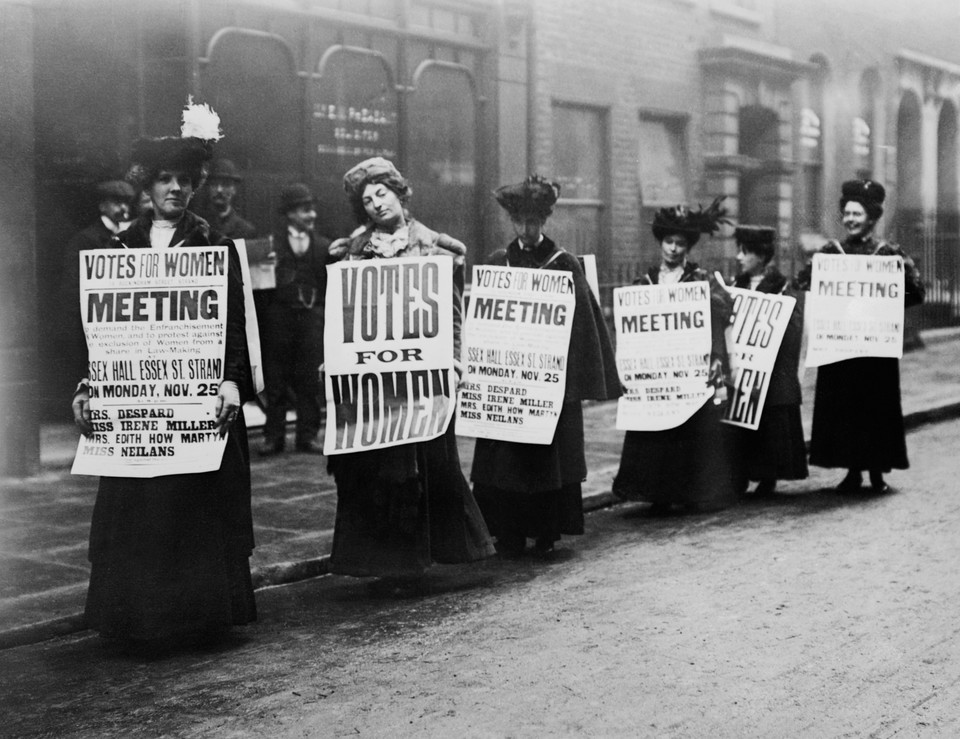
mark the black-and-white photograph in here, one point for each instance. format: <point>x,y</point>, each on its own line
<point>480,368</point>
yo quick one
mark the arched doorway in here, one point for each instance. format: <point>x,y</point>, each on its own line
<point>909,216</point>
<point>443,145</point>
<point>941,269</point>
<point>250,79</point>
<point>759,147</point>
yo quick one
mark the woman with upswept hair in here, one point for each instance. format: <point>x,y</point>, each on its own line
<point>401,508</point>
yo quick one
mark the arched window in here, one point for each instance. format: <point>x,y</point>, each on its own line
<point>250,80</point>
<point>863,125</point>
<point>810,206</point>
<point>354,118</point>
<point>443,151</point>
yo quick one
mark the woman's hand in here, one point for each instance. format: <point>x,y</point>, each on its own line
<point>716,373</point>
<point>81,412</point>
<point>228,406</point>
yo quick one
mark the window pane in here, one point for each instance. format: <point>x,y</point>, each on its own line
<point>663,165</point>
<point>442,159</point>
<point>578,146</point>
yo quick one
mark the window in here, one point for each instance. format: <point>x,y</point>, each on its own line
<point>663,162</point>
<point>580,166</point>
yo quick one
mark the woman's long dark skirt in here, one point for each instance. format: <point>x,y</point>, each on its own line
<point>857,416</point>
<point>777,449</point>
<point>533,490</point>
<point>390,524</point>
<point>170,555</point>
<point>695,463</point>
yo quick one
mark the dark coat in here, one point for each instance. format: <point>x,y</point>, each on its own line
<point>170,555</point>
<point>72,343</point>
<point>234,226</point>
<point>784,386</point>
<point>549,476</point>
<point>777,449</point>
<point>298,277</point>
<point>857,414</point>
<point>696,463</point>
<point>402,508</point>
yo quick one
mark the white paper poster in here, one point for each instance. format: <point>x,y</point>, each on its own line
<point>388,345</point>
<point>516,339</point>
<point>855,308</point>
<point>663,353</point>
<point>155,323</point>
<point>754,336</point>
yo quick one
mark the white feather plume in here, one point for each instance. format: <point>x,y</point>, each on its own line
<point>200,121</point>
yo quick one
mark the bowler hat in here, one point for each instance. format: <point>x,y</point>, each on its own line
<point>294,195</point>
<point>118,190</point>
<point>224,169</point>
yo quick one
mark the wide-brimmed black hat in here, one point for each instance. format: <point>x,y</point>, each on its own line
<point>680,220</point>
<point>189,152</point>
<point>118,190</point>
<point>536,195</point>
<point>224,169</point>
<point>294,195</point>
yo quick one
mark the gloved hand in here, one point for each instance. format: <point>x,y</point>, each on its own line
<point>81,409</point>
<point>228,405</point>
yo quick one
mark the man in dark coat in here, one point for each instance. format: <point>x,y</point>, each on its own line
<point>221,191</point>
<point>293,324</point>
<point>114,201</point>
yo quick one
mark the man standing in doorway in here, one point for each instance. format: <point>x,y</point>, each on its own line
<point>293,322</point>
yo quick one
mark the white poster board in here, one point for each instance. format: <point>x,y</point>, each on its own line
<point>754,337</point>
<point>388,345</point>
<point>251,319</point>
<point>155,322</point>
<point>515,343</point>
<point>855,308</point>
<point>663,353</point>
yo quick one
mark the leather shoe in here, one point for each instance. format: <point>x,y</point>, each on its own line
<point>765,488</point>
<point>309,447</point>
<point>270,450</point>
<point>850,484</point>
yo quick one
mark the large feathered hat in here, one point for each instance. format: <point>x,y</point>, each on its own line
<point>536,195</point>
<point>868,193</point>
<point>680,220</point>
<point>188,152</point>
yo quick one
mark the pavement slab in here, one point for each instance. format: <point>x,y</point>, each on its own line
<point>44,520</point>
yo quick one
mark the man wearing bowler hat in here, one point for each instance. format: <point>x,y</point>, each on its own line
<point>114,201</point>
<point>293,323</point>
<point>221,213</point>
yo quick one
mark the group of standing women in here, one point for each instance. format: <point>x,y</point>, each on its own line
<point>170,555</point>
